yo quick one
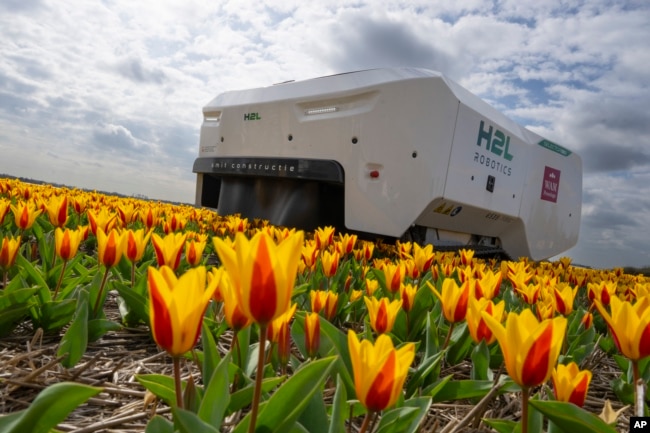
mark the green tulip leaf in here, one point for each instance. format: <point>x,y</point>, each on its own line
<point>159,424</point>
<point>243,397</point>
<point>314,417</point>
<point>217,394</point>
<point>189,422</point>
<point>50,407</point>
<point>283,408</point>
<point>75,340</point>
<point>211,358</point>
<point>393,420</point>
<point>464,389</point>
<point>570,418</point>
<point>340,407</point>
<point>407,418</point>
<point>502,425</point>
<point>160,385</point>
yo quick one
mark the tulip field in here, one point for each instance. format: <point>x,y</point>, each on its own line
<point>120,314</point>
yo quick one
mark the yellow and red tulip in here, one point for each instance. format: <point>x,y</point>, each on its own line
<point>454,299</point>
<point>331,305</point>
<point>601,292</point>
<point>324,236</point>
<point>235,317</point>
<point>564,296</point>
<point>529,293</point>
<point>312,334</point>
<point>66,242</point>
<point>476,325</point>
<point>423,257</point>
<point>379,370</point>
<point>150,217</point>
<point>570,384</point>
<point>57,210</point>
<point>261,272</point>
<point>103,219</point>
<point>127,213</point>
<point>168,249</point>
<point>488,285</point>
<point>9,252</point>
<point>345,244</point>
<point>318,299</point>
<point>382,313</point>
<point>629,325</point>
<point>330,263</point>
<point>177,306</point>
<point>25,214</point>
<point>530,348</point>
<point>5,207</point>
<point>194,251</point>
<point>394,273</point>
<point>279,332</point>
<point>110,247</point>
<point>135,244</point>
<point>407,294</point>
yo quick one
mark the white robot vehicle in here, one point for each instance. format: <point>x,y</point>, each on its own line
<point>393,153</point>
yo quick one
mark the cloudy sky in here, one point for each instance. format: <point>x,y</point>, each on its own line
<point>108,94</point>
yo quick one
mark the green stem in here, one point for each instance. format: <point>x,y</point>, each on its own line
<point>366,422</point>
<point>525,394</point>
<point>101,290</point>
<point>58,283</point>
<point>638,389</point>
<point>258,379</point>
<point>177,382</point>
<point>132,274</point>
<point>451,329</point>
<point>5,279</point>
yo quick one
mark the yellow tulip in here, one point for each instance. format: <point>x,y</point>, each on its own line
<point>478,330</point>
<point>629,325</point>
<point>454,299</point>
<point>407,293</point>
<point>25,214</point>
<point>169,249</point>
<point>324,236</point>
<point>57,210</point>
<point>8,252</point>
<point>312,334</point>
<point>330,263</point>
<point>382,313</point>
<point>423,257</point>
<point>570,384</point>
<point>135,244</point>
<point>530,348</point>
<point>262,272</point>
<point>602,292</point>
<point>5,207</point>
<point>331,305</point>
<point>194,251</point>
<point>379,370</point>
<point>66,242</point>
<point>102,219</point>
<point>394,274</point>
<point>564,297</point>
<point>235,318</point>
<point>110,247</point>
<point>176,307</point>
<point>345,243</point>
<point>488,285</point>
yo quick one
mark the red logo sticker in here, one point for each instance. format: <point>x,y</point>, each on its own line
<point>550,185</point>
